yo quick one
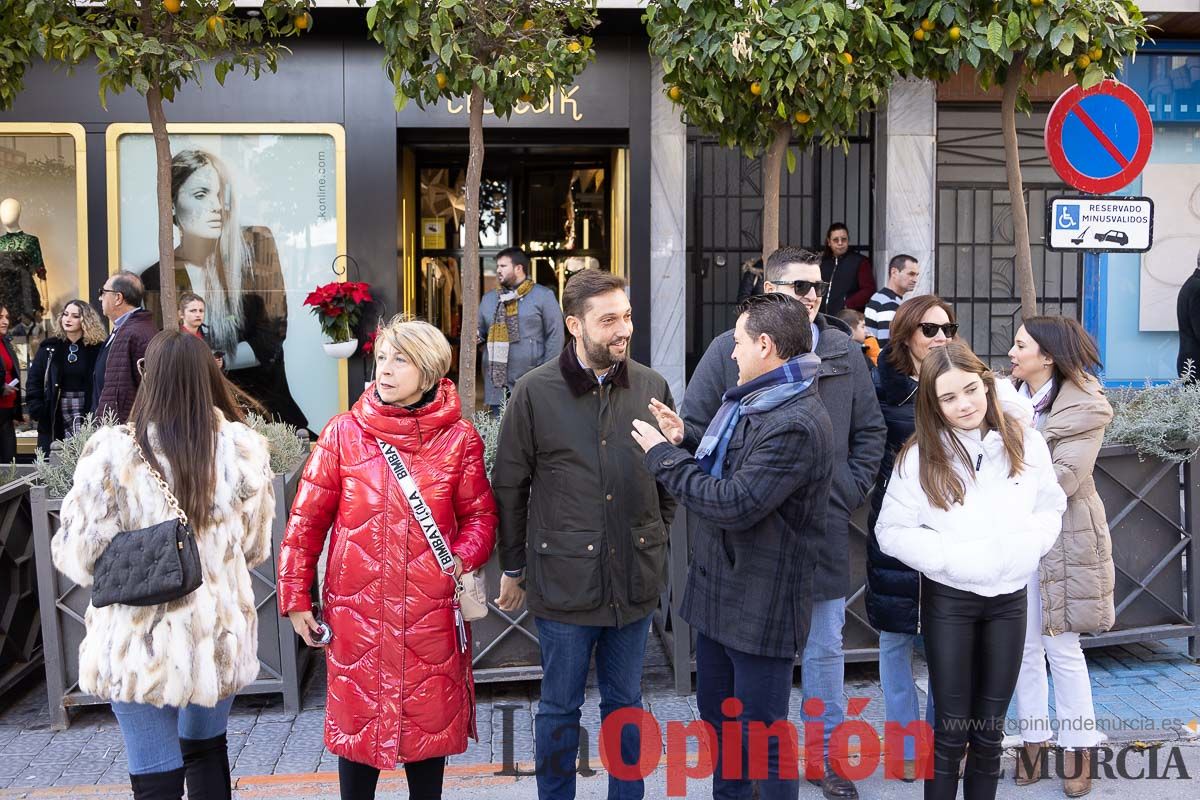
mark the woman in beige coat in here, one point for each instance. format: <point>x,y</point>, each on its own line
<point>1053,363</point>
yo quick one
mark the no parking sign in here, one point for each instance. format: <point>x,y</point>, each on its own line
<point>1099,139</point>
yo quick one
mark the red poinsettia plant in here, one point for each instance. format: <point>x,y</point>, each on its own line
<point>368,345</point>
<point>338,307</point>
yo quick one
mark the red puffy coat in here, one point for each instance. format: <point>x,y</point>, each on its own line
<point>399,690</point>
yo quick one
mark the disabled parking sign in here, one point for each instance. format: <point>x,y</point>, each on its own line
<point>1100,224</point>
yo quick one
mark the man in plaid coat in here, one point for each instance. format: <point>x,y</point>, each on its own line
<point>759,480</point>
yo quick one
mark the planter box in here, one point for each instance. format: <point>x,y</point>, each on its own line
<point>20,628</point>
<point>283,656</point>
<point>1153,515</point>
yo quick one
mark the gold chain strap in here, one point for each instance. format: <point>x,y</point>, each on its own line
<point>162,484</point>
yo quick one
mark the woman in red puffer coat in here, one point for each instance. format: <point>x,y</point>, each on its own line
<point>399,683</point>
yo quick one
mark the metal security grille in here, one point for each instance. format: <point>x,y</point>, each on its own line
<point>725,218</point>
<point>975,265</point>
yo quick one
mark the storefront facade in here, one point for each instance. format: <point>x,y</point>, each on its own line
<point>328,179</point>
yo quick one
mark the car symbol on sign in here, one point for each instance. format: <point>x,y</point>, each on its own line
<point>1119,237</point>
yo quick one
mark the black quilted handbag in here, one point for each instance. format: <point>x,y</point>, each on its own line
<point>151,565</point>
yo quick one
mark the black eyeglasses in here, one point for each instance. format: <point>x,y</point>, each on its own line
<point>108,291</point>
<point>72,353</point>
<point>930,329</point>
<point>802,288</point>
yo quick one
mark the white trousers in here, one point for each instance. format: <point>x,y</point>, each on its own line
<point>1075,716</point>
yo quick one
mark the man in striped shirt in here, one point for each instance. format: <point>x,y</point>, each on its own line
<point>903,271</point>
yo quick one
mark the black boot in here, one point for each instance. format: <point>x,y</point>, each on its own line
<point>158,785</point>
<point>834,787</point>
<point>207,765</point>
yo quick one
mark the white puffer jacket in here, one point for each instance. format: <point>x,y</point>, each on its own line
<point>993,541</point>
<point>202,648</point>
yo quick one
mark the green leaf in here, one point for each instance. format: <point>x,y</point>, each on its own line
<point>140,83</point>
<point>973,54</point>
<point>412,28</point>
<point>1042,26</point>
<point>791,161</point>
<point>1013,32</point>
<point>372,14</point>
<point>995,36</point>
<point>1093,76</point>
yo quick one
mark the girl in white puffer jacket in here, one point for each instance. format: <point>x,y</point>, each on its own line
<point>973,504</point>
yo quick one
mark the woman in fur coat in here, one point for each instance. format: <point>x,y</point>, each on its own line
<point>171,670</point>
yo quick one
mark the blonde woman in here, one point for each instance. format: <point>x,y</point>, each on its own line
<point>400,688</point>
<point>58,391</point>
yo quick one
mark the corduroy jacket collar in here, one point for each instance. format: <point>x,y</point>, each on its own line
<point>582,381</point>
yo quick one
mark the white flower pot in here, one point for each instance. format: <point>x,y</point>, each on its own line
<point>340,349</point>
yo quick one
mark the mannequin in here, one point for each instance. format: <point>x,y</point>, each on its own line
<point>20,261</point>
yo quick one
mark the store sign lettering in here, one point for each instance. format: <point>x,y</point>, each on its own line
<point>563,96</point>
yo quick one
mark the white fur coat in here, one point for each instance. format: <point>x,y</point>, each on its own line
<point>203,647</point>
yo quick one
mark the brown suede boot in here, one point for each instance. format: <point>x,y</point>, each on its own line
<point>1029,763</point>
<point>1077,772</point>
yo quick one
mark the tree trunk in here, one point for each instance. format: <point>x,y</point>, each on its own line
<point>470,266</point>
<point>166,243</point>
<point>1022,256</point>
<point>772,169</point>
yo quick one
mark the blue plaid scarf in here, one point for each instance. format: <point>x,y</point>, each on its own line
<point>761,394</point>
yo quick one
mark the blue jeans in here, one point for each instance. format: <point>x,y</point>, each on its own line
<point>764,687</point>
<point>823,664</point>
<point>566,657</point>
<point>152,734</point>
<point>900,701</point>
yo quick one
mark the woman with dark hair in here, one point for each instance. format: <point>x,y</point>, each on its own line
<point>972,505</point>
<point>59,389</point>
<point>237,272</point>
<point>849,274</point>
<point>921,325</point>
<point>1054,362</point>
<point>10,393</point>
<point>171,670</point>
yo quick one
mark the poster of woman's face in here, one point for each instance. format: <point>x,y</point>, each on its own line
<point>256,228</point>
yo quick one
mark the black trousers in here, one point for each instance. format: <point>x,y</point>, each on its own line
<point>8,436</point>
<point>973,645</point>
<point>358,781</point>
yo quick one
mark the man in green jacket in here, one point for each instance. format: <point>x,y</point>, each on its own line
<point>583,524</point>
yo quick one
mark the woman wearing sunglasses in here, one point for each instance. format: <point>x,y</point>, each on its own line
<point>59,389</point>
<point>921,325</point>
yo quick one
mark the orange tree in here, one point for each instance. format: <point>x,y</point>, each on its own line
<point>499,52</point>
<point>760,75</point>
<point>1011,44</point>
<point>20,42</point>
<point>157,46</point>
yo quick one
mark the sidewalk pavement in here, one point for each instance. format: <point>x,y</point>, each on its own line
<point>1143,692</point>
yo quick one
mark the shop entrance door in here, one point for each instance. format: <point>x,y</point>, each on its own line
<point>562,207</point>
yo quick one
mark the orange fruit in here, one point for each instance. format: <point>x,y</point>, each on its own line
<point>955,33</point>
<point>927,25</point>
<point>302,21</point>
<point>215,22</point>
<point>919,35</point>
<point>1096,54</point>
<point>1037,3</point>
<point>1082,62</point>
<point>756,88</point>
<point>441,79</point>
<point>802,117</point>
<point>574,47</point>
<point>172,6</point>
<point>675,93</point>
<point>527,25</point>
<point>847,59</point>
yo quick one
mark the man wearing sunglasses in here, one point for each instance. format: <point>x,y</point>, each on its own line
<point>858,432</point>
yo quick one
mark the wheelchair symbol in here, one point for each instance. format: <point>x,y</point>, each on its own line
<point>1068,218</point>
